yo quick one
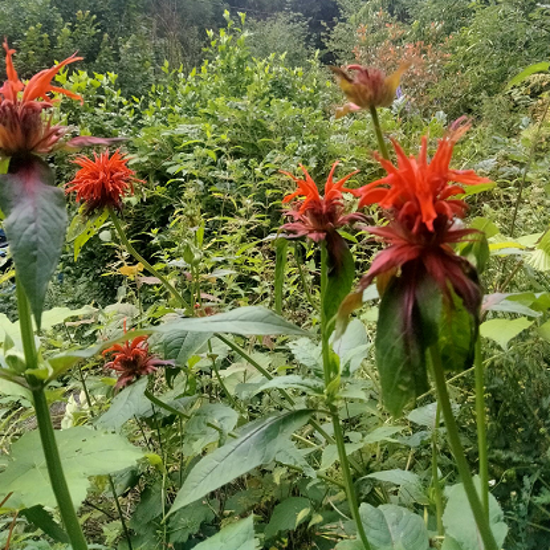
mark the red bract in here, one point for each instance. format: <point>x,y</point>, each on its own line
<point>419,198</point>
<point>133,360</point>
<point>316,216</point>
<point>23,129</point>
<point>102,181</point>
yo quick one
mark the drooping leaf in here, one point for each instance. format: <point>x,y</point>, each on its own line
<point>541,67</point>
<point>504,330</point>
<point>237,536</point>
<point>84,453</point>
<point>247,321</point>
<point>257,445</point>
<point>340,276</point>
<point>187,521</point>
<point>181,345</point>
<point>35,225</point>
<point>391,527</point>
<point>353,346</point>
<point>400,351</point>
<point>288,515</point>
<point>199,431</point>
<point>459,521</point>
<point>43,520</point>
<point>281,246</point>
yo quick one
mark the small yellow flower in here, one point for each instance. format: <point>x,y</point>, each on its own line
<point>368,87</point>
<point>131,271</point>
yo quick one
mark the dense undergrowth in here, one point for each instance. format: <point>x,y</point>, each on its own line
<point>209,144</point>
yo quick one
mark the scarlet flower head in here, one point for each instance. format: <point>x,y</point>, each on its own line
<point>368,87</point>
<point>133,360</point>
<point>316,216</point>
<point>419,197</point>
<point>102,181</point>
<point>23,128</point>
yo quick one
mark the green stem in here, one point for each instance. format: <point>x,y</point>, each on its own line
<point>120,513</point>
<point>128,245</point>
<point>379,136</point>
<point>45,428</point>
<point>55,471</point>
<point>330,376</point>
<point>481,431</point>
<point>435,476</point>
<point>456,447</point>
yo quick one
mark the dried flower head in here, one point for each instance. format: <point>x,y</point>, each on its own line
<point>368,87</point>
<point>102,181</point>
<point>133,360</point>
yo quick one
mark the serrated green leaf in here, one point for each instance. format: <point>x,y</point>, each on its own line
<point>35,225</point>
<point>459,521</point>
<point>84,453</point>
<point>391,527</point>
<point>44,521</point>
<point>237,536</point>
<point>182,345</point>
<point>288,515</point>
<point>502,331</point>
<point>256,446</point>
<point>247,321</point>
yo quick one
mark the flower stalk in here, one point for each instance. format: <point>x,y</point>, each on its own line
<point>330,379</point>
<point>481,430</point>
<point>133,252</point>
<point>379,135</point>
<point>45,428</point>
<point>481,518</point>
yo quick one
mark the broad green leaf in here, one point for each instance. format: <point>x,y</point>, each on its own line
<point>459,521</point>
<point>541,67</point>
<point>353,346</point>
<point>187,521</point>
<point>84,453</point>
<point>340,276</point>
<point>425,416</point>
<point>330,453</point>
<point>127,404</point>
<point>198,433</point>
<point>391,527</point>
<point>43,520</point>
<point>256,446</point>
<point>288,515</point>
<point>543,330</point>
<point>181,345</point>
<point>248,321</point>
<point>85,231</point>
<point>281,246</point>
<point>307,352</point>
<point>396,476</point>
<point>400,353</point>
<point>58,315</point>
<point>35,225</point>
<point>237,536</point>
<point>307,385</point>
<point>503,330</point>
<point>383,433</point>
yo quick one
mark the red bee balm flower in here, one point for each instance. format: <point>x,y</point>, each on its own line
<point>103,181</point>
<point>22,127</point>
<point>133,360</point>
<point>419,198</point>
<point>318,216</point>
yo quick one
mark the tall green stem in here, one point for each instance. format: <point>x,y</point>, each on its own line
<point>128,245</point>
<point>480,517</point>
<point>45,428</point>
<point>330,377</point>
<point>481,431</point>
<point>435,476</point>
<point>379,136</point>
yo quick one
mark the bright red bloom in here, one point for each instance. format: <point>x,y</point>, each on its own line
<point>422,213</point>
<point>23,129</point>
<point>133,360</point>
<point>316,216</point>
<point>102,181</point>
